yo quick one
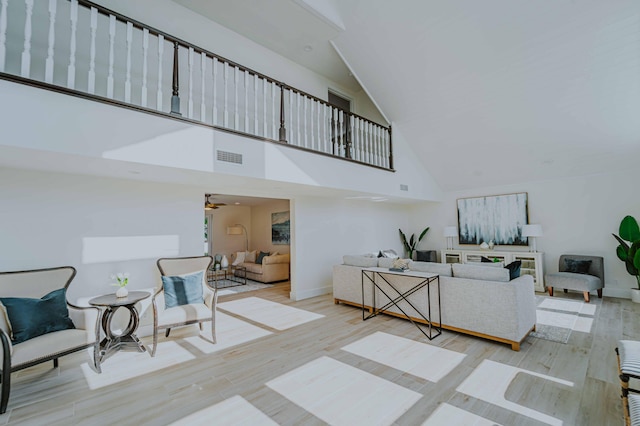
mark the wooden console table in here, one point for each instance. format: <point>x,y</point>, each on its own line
<point>532,262</point>
<point>377,276</point>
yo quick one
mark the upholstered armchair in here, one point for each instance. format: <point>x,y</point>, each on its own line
<point>174,303</point>
<point>38,324</point>
<point>578,272</point>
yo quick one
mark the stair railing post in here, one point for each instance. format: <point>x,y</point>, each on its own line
<point>175,98</point>
<point>283,130</point>
<point>390,150</point>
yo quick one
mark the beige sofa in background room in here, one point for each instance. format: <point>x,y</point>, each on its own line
<point>272,269</point>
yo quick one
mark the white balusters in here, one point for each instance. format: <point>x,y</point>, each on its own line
<point>274,117</point>
<point>352,138</point>
<point>236,116</point>
<point>226,95</point>
<point>3,32</point>
<point>127,81</point>
<point>336,146</point>
<point>112,36</point>
<point>214,67</point>
<point>246,101</point>
<point>264,108</point>
<point>298,118</point>
<point>305,128</point>
<point>255,103</point>
<point>291,133</point>
<point>203,71</point>
<point>190,94</point>
<point>91,86</point>
<point>159,99</point>
<point>145,50</point>
<point>71,69</point>
<point>318,124</point>
<point>325,124</point>
<point>25,70</point>
<point>48,67</point>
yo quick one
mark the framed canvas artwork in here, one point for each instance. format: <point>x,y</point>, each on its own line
<point>280,228</point>
<point>495,217</point>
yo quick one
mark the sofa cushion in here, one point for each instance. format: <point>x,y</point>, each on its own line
<point>250,257</point>
<point>239,258</point>
<point>391,253</point>
<point>443,269</point>
<point>514,269</point>
<point>476,272</point>
<point>255,268</point>
<point>577,266</point>
<point>261,256</point>
<point>31,318</point>
<point>355,260</point>
<point>385,262</point>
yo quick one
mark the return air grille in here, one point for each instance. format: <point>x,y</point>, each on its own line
<point>229,157</point>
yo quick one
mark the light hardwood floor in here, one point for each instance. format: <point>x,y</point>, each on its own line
<point>44,395</point>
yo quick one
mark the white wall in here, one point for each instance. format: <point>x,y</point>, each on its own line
<point>578,216</point>
<point>224,217</point>
<point>323,230</point>
<point>54,219</point>
<point>261,226</point>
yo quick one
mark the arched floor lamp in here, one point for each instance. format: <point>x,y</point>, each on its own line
<point>238,229</point>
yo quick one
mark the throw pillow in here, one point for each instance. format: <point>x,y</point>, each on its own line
<point>390,253</point>
<point>577,266</point>
<point>261,256</point>
<point>239,258</point>
<point>250,257</point>
<point>182,289</point>
<point>31,318</point>
<point>485,259</point>
<point>514,269</point>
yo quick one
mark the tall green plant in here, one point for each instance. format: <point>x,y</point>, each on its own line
<point>629,249</point>
<point>410,245</point>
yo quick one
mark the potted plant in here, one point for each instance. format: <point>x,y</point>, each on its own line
<point>629,251</point>
<point>410,246</point>
<point>122,281</point>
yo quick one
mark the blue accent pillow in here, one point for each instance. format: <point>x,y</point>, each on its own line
<point>514,269</point>
<point>31,318</point>
<point>261,256</point>
<point>182,289</point>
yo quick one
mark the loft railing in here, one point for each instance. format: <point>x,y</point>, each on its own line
<point>84,49</point>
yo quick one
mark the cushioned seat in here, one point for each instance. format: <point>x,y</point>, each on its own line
<point>628,353</point>
<point>579,273</point>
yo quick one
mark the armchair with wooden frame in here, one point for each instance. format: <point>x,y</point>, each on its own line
<point>28,286</point>
<point>195,313</point>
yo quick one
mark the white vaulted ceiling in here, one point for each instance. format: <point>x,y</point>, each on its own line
<point>486,92</point>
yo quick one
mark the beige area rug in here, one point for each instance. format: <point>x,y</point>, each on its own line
<point>556,318</point>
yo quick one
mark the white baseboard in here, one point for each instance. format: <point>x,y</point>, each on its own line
<point>308,293</point>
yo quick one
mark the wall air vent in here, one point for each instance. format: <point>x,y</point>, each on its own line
<point>404,187</point>
<point>229,157</point>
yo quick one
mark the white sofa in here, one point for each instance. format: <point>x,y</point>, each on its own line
<point>476,300</point>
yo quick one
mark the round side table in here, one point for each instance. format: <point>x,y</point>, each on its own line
<point>127,340</point>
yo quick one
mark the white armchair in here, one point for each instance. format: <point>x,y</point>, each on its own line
<point>194,313</point>
<point>34,284</point>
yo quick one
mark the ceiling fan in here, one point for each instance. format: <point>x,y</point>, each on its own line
<point>209,205</point>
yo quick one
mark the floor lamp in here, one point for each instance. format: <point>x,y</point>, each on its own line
<point>239,229</point>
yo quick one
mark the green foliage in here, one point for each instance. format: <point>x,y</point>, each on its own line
<point>629,249</point>
<point>410,245</point>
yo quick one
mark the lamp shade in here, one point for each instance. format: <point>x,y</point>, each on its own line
<point>450,231</point>
<point>533,230</point>
<point>234,230</point>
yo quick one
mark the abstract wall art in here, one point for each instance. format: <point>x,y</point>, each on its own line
<point>280,228</point>
<point>495,217</point>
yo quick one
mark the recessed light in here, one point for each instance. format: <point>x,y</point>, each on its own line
<point>237,203</point>
<point>307,48</point>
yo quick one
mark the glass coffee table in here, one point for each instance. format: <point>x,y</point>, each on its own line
<point>226,277</point>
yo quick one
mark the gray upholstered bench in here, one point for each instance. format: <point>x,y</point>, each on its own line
<point>590,276</point>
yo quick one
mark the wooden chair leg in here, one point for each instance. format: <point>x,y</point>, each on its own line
<point>599,293</point>
<point>550,289</point>
<point>586,296</point>
<point>55,363</point>
<point>6,388</point>
<point>167,331</point>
